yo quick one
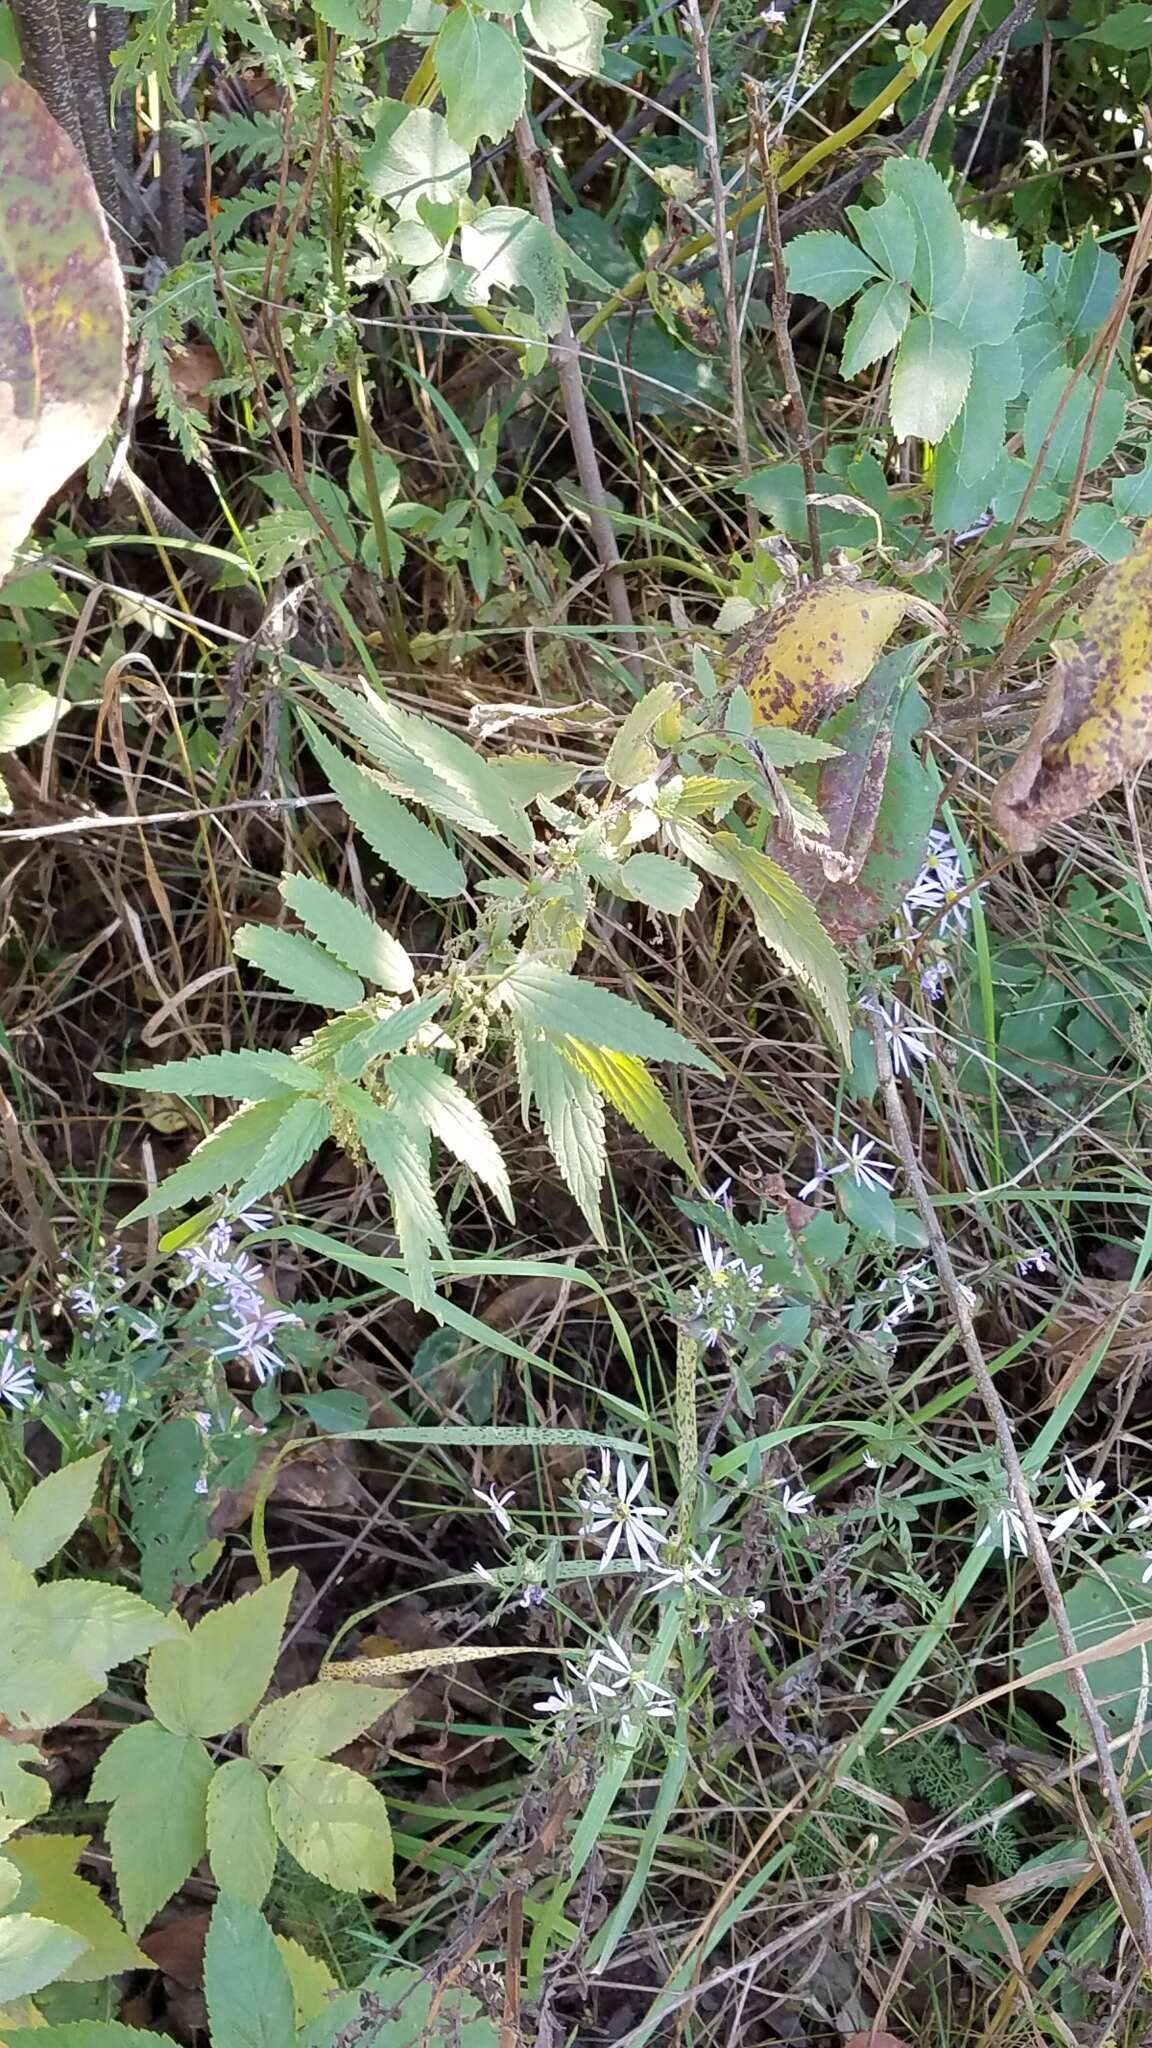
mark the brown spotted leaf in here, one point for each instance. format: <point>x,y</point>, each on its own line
<point>1095,728</point>
<point>817,646</point>
<point>62,313</point>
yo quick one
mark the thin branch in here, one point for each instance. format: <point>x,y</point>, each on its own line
<point>780,302</point>
<point>566,357</point>
<point>1041,1557</point>
<point>699,36</point>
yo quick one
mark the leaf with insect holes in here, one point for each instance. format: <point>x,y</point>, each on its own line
<point>402,842</point>
<point>1095,728</point>
<point>572,1114</point>
<point>355,938</point>
<point>241,1840</point>
<point>828,267</point>
<point>632,758</point>
<point>315,1720</point>
<point>423,1094</point>
<point>510,248</point>
<point>796,661</point>
<point>544,999</point>
<point>242,1076</point>
<point>216,1675</point>
<point>299,965</point>
<point>929,379</point>
<point>63,319</point>
<point>336,1826</point>
<point>52,1512</point>
<point>247,1988</point>
<point>157,1831</point>
<point>480,71</point>
<point>625,1082</point>
<point>879,319</point>
<point>571,32</point>
<point>219,1161</point>
<point>790,928</point>
<point>400,1156</point>
<point>414,158</point>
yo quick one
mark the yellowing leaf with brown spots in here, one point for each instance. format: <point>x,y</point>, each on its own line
<point>1095,729</point>
<point>63,322</point>
<point>797,661</point>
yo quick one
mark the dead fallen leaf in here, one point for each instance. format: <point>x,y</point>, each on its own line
<point>1095,728</point>
<point>796,661</point>
<point>177,1948</point>
<point>191,369</point>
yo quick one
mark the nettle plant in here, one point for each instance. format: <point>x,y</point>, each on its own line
<point>981,350</point>
<point>387,1073</point>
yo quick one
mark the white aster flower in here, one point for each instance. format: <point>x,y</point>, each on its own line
<point>694,1573</point>
<point>1005,1528</point>
<point>905,1038</point>
<point>857,1161</point>
<point>615,1510</point>
<point>1035,1261</point>
<point>932,980</point>
<point>611,1675</point>
<point>561,1700</point>
<point>1086,1497</point>
<point>1142,1519</point>
<point>497,1504</point>
<point>795,1500</point>
<point>17,1380</point>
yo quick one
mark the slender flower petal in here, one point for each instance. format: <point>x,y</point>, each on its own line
<point>497,1504</point>
<point>1005,1528</point>
<point>1081,1510</point>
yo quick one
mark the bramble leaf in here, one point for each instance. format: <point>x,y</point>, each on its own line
<point>52,1890</point>
<point>157,1829</point>
<point>336,1826</point>
<point>33,1953</point>
<point>241,1842</point>
<point>315,1720</point>
<point>53,1512</point>
<point>246,1983</point>
<point>216,1675</point>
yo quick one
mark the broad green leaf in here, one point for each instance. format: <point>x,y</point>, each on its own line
<point>52,1890</point>
<point>33,1952</point>
<point>157,1829</point>
<point>356,939</point>
<point>401,841</point>
<point>1124,28</point>
<point>1102,1606</point>
<point>978,435</point>
<point>480,70</point>
<point>400,1156</point>
<point>940,246</point>
<point>315,1720</point>
<point>53,1512</point>
<point>63,320</point>
<point>661,883</point>
<point>302,1129</point>
<point>930,379</point>
<point>632,758</point>
<point>336,1826</point>
<point>89,1624</point>
<point>887,233</point>
<point>311,1980</point>
<point>299,965</point>
<point>571,31</point>
<point>216,1676</point>
<point>511,248</point>
<point>388,1034</point>
<point>246,1984</point>
<point>241,1842</point>
<point>424,1094</point>
<point>1089,290</point>
<point>828,267</point>
<point>26,713</point>
<point>86,2034</point>
<point>878,320</point>
<point>368,21</point>
<point>242,1076</point>
<point>572,1114</point>
<point>415,158</point>
<point>1067,432</point>
<point>432,764</point>
<point>529,776</point>
<point>791,929</point>
<point>23,1796</point>
<point>989,299</point>
<point>559,1005</point>
<point>1097,527</point>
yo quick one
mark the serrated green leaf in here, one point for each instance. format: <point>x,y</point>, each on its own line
<point>388,1034</point>
<point>301,1131</point>
<point>509,248</point>
<point>827,266</point>
<point>424,1094</point>
<point>33,1953</point>
<point>930,379</point>
<point>23,1796</point>
<point>572,1114</point>
<point>242,1076</point>
<point>978,435</point>
<point>86,2034</point>
<point>571,31</point>
<point>369,21</point>
<point>879,318</point>
<point>661,883</point>
<point>52,1890</point>
<point>1089,290</point>
<point>53,1512</point>
<point>241,1839</point>
<point>415,158</point>
<point>988,300</point>
<point>356,939</point>
<point>887,233</point>
<point>559,1005</point>
<point>246,1983</point>
<point>311,1980</point>
<point>626,1083</point>
<point>157,1829</point>
<point>401,1160</point>
<point>299,965</point>
<point>315,1720</point>
<point>1123,28</point>
<point>336,1826</point>
<point>401,841</point>
<point>26,714</point>
<point>632,758</point>
<point>216,1676</point>
<point>480,70</point>
<point>940,248</point>
<point>86,1623</point>
<point>1067,432</point>
<point>790,929</point>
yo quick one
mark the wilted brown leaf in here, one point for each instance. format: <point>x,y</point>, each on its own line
<point>177,1948</point>
<point>796,661</point>
<point>1096,725</point>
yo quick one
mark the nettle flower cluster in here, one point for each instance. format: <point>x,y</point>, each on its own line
<point>1086,1508</point>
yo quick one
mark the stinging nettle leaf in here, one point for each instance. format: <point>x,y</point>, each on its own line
<point>431,765</point>
<point>828,267</point>
<point>626,1083</point>
<point>423,1093</point>
<point>558,1005</point>
<point>221,1159</point>
<point>241,1076</point>
<point>299,965</point>
<point>355,938</point>
<point>572,1114</point>
<point>930,379</point>
<point>401,841</point>
<point>216,1676</point>
<point>791,929</point>
<point>302,1129</point>
<point>632,758</point>
<point>388,1034</point>
<point>661,883</point>
<point>401,1159</point>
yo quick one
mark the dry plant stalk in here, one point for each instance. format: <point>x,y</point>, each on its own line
<point>780,303</point>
